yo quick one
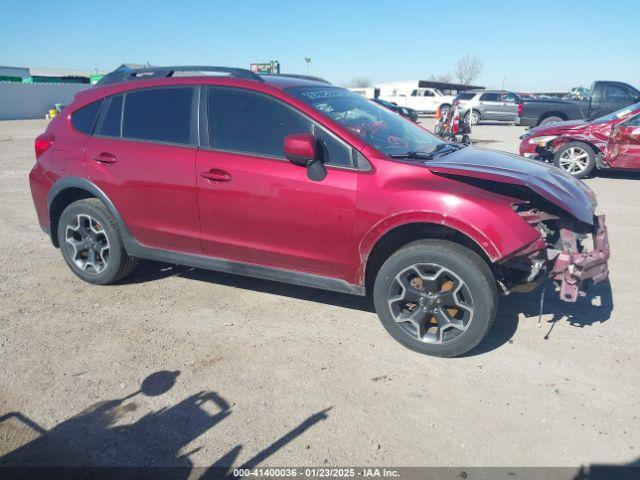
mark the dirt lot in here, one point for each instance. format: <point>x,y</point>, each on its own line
<point>274,374</point>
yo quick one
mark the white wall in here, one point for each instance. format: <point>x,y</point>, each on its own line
<point>33,100</point>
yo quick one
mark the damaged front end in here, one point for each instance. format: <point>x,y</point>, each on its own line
<point>572,247</point>
<point>570,252</point>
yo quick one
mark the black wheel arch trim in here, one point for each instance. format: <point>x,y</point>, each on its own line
<point>134,248</point>
<point>67,183</point>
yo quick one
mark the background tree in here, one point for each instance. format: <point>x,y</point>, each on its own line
<point>468,69</point>
<point>361,82</point>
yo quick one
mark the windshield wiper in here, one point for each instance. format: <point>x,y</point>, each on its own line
<point>442,148</point>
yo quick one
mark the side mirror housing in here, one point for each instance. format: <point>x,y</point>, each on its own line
<point>300,148</point>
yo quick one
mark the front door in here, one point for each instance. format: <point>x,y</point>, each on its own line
<point>624,144</point>
<point>255,206</point>
<point>142,156</point>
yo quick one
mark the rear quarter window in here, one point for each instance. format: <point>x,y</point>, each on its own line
<point>110,123</point>
<point>84,118</point>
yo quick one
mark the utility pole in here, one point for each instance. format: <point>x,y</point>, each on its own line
<point>308,60</point>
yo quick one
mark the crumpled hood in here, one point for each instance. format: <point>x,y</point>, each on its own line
<point>551,183</point>
<point>556,128</point>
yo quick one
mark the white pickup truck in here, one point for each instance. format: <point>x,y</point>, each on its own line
<point>423,100</point>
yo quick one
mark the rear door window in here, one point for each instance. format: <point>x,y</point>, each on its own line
<point>84,119</point>
<point>158,114</point>
<point>110,125</point>
<point>489,97</point>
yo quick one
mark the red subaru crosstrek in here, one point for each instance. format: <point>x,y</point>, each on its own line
<point>295,180</point>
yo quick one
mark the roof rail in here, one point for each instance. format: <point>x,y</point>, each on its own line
<point>303,77</point>
<point>123,75</point>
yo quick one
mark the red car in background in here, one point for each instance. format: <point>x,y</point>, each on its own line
<point>579,146</point>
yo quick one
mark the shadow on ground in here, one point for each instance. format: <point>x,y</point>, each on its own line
<point>98,436</point>
<point>596,307</point>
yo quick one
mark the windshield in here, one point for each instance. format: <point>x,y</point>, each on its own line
<point>623,112</point>
<point>382,129</point>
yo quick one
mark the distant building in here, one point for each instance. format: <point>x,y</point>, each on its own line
<point>46,75</point>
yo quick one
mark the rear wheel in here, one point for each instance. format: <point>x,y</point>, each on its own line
<point>91,243</point>
<point>444,109</point>
<point>551,119</point>
<point>436,297</point>
<point>473,117</point>
<point>575,158</point>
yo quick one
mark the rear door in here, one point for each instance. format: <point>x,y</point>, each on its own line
<point>624,144</point>
<point>142,156</point>
<point>490,106</point>
<point>257,207</point>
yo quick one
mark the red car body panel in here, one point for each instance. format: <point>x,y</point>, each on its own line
<point>154,188</point>
<point>265,211</point>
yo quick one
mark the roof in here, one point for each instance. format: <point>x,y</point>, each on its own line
<point>125,74</point>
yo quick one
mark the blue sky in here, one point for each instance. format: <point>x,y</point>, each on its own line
<point>536,45</point>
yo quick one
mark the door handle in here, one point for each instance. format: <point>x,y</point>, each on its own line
<point>216,175</point>
<point>105,158</point>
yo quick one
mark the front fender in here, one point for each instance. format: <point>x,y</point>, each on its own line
<point>494,227</point>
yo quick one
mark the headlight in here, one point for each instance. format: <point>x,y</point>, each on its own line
<point>542,141</point>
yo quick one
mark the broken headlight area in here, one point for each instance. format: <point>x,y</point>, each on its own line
<point>570,252</point>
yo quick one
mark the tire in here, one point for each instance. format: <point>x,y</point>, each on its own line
<point>458,313</point>
<point>576,158</point>
<point>473,119</point>
<point>444,109</point>
<point>551,119</point>
<point>91,243</point>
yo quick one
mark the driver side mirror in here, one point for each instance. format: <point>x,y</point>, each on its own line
<point>300,149</point>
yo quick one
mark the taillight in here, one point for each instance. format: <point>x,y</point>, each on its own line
<point>520,108</point>
<point>43,142</point>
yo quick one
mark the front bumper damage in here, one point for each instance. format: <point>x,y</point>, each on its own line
<point>573,266</point>
<point>570,253</point>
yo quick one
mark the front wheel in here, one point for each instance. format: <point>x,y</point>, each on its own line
<point>436,297</point>
<point>575,158</point>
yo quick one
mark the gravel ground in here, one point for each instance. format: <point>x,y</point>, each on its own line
<point>272,374</point>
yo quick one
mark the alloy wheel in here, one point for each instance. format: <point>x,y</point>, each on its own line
<point>87,243</point>
<point>574,160</point>
<point>431,303</point>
